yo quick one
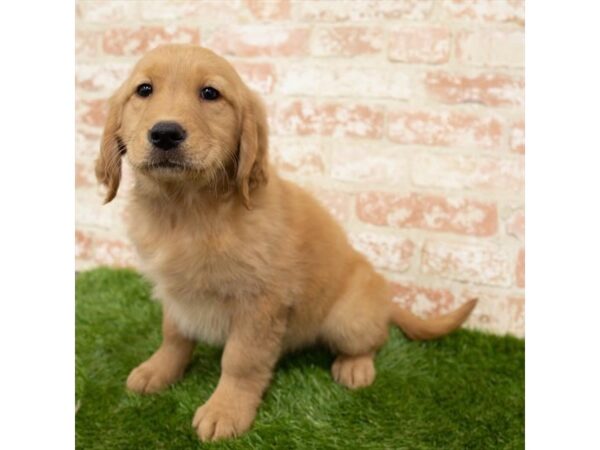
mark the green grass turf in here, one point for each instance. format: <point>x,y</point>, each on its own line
<point>464,391</point>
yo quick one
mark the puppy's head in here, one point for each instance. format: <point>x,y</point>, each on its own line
<point>185,116</point>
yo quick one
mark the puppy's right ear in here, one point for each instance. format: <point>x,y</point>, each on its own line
<point>112,148</point>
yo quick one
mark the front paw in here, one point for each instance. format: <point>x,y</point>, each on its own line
<point>150,377</point>
<point>216,420</point>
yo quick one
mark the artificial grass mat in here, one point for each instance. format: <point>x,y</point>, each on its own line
<point>463,391</point>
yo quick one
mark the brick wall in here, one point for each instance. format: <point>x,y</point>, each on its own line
<point>406,118</point>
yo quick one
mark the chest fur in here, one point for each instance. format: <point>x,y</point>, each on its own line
<point>199,274</point>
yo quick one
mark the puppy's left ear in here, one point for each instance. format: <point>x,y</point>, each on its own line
<point>253,148</point>
<point>112,149</point>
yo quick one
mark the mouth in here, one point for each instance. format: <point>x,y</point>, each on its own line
<point>169,165</point>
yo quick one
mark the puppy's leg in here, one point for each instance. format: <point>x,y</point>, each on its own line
<point>251,351</point>
<point>166,365</point>
<point>356,327</point>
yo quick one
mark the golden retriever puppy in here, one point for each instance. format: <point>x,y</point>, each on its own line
<point>238,256</point>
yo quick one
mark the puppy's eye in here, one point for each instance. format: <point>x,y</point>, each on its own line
<point>209,93</point>
<point>144,90</point>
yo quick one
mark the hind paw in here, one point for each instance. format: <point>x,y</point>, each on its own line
<point>354,371</point>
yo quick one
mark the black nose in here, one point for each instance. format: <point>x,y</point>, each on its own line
<point>166,135</point>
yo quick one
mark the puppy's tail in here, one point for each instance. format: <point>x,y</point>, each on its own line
<point>420,329</point>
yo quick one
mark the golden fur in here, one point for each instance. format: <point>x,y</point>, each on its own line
<point>238,256</point>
